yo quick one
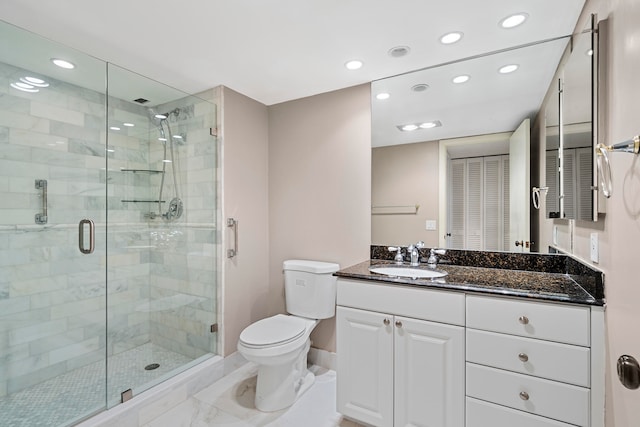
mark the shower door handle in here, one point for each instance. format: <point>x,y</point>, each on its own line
<point>92,235</point>
<point>233,223</point>
<point>41,218</point>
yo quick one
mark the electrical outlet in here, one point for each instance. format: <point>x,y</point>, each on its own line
<point>430,224</point>
<point>594,247</point>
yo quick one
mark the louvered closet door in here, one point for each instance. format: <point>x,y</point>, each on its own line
<point>551,177</point>
<point>492,210</point>
<point>456,204</point>
<point>584,194</point>
<point>473,211</point>
<point>569,178</point>
<point>506,238</point>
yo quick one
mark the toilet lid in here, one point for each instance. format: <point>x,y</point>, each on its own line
<point>278,329</point>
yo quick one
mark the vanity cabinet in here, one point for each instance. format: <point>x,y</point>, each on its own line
<point>400,366</point>
<point>415,356</point>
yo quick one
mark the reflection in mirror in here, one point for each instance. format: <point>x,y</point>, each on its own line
<point>552,144</point>
<point>470,120</point>
<point>577,196</point>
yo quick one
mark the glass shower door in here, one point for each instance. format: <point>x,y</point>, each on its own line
<point>52,177</point>
<point>108,239</point>
<point>162,249</point>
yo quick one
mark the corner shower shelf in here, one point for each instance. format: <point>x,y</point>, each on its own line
<point>141,170</point>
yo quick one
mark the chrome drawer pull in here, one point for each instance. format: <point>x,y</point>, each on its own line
<point>398,324</point>
<point>386,322</point>
<point>524,395</point>
<point>523,357</point>
<point>523,319</point>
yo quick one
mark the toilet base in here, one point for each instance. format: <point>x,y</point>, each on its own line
<point>279,386</point>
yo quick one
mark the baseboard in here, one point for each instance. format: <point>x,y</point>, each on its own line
<point>323,358</point>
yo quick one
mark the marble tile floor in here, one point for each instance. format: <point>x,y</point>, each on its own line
<point>71,396</point>
<point>229,403</point>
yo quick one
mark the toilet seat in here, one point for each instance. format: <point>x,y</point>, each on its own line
<point>274,331</point>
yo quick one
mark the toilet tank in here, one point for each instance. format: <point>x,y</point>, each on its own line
<point>310,288</point>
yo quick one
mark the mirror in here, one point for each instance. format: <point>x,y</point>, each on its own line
<point>474,119</point>
<point>551,197</point>
<point>577,142</point>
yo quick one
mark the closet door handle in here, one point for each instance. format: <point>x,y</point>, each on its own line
<point>92,235</point>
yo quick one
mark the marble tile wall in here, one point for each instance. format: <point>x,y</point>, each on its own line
<point>160,277</point>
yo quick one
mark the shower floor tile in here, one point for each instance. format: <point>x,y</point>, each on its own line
<point>76,394</point>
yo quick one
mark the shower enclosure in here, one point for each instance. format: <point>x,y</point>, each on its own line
<point>108,241</point>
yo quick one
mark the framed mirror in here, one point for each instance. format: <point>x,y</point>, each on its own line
<point>429,121</point>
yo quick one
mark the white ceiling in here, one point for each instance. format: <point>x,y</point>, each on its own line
<point>279,50</point>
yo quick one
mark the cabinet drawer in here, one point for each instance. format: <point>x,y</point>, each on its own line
<point>559,401</point>
<point>416,302</point>
<point>484,414</point>
<point>553,322</point>
<point>546,359</point>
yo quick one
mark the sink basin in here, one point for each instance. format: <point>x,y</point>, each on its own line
<point>414,273</point>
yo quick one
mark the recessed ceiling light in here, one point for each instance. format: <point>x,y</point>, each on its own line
<point>129,125</point>
<point>160,116</point>
<point>461,78</point>
<point>508,69</point>
<point>166,160</point>
<point>514,20</point>
<point>177,136</point>
<point>450,38</point>
<point>24,87</point>
<point>34,81</point>
<point>353,65</point>
<point>421,87</point>
<point>63,64</point>
<point>399,51</point>
<point>427,125</point>
<point>382,96</point>
<point>162,139</point>
<point>114,128</point>
<point>424,125</point>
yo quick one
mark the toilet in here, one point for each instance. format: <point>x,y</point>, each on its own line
<point>279,344</point>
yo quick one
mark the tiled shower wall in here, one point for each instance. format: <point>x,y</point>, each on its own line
<point>161,282</point>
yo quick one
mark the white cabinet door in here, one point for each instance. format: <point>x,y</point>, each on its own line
<point>365,366</point>
<point>429,374</point>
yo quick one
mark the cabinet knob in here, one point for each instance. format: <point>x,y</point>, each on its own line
<point>523,319</point>
<point>524,395</point>
<point>398,324</point>
<point>523,357</point>
<point>386,322</point>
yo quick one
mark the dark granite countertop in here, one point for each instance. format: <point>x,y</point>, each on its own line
<point>558,287</point>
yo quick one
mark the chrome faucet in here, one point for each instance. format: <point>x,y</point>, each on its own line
<point>433,259</point>
<point>398,258</point>
<point>414,250</point>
